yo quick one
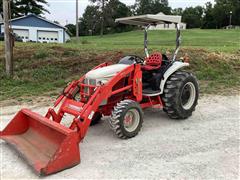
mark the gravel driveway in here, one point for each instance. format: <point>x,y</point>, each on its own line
<point>205,146</point>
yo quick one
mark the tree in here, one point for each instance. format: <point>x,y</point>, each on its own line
<point>209,21</point>
<point>152,7</point>
<point>160,6</point>
<point>90,23</point>
<point>1,7</point>
<point>71,28</point>
<point>116,9</point>
<point>143,7</point>
<point>222,10</point>
<point>101,5</point>
<point>218,16</point>
<point>24,7</point>
<point>11,4</point>
<point>193,16</point>
<point>91,19</point>
<point>177,11</point>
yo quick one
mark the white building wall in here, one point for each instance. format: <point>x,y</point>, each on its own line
<point>67,37</point>
<point>1,27</point>
<point>167,26</point>
<point>33,32</point>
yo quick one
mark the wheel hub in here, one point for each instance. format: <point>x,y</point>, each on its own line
<point>131,120</point>
<point>128,120</point>
<point>188,95</point>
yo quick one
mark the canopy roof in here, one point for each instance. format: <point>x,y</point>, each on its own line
<point>149,19</point>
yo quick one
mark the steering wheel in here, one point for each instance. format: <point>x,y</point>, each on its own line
<point>137,59</point>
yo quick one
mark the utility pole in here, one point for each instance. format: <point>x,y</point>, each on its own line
<point>230,20</point>
<point>7,39</point>
<point>102,18</point>
<point>77,24</point>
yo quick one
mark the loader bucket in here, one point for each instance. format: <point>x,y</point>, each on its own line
<point>47,146</point>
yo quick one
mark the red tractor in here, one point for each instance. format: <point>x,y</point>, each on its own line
<point>120,91</point>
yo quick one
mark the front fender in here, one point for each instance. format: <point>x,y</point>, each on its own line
<point>175,66</point>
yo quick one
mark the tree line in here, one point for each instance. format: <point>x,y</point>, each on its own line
<point>99,17</point>
<point>212,16</point>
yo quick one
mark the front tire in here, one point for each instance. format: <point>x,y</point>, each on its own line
<point>126,119</point>
<point>180,95</point>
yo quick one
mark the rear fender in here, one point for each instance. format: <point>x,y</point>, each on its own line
<point>175,66</point>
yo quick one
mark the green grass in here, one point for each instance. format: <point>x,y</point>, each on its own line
<point>214,40</point>
<point>41,69</point>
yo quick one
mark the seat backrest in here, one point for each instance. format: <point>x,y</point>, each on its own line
<point>154,59</point>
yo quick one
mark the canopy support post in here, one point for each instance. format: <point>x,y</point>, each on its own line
<point>178,42</point>
<point>146,40</point>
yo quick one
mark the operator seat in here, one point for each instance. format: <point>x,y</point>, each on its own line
<point>153,62</point>
<point>152,72</point>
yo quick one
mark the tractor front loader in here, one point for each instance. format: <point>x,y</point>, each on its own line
<point>120,91</point>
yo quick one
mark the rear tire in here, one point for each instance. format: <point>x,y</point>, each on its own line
<point>126,119</point>
<point>180,95</point>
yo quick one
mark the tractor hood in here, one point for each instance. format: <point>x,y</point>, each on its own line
<point>105,73</point>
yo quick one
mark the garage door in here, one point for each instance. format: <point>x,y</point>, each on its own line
<point>22,33</point>
<point>48,36</point>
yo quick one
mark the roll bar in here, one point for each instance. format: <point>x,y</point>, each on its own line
<point>178,41</point>
<point>148,20</point>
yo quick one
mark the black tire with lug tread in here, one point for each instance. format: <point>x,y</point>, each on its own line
<point>96,118</point>
<point>123,111</point>
<point>175,95</point>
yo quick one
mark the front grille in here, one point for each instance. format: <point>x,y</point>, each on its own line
<point>89,82</point>
<point>92,82</point>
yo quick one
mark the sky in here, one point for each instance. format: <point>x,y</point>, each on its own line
<point>63,11</point>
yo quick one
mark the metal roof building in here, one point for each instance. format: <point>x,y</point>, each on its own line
<point>37,29</point>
